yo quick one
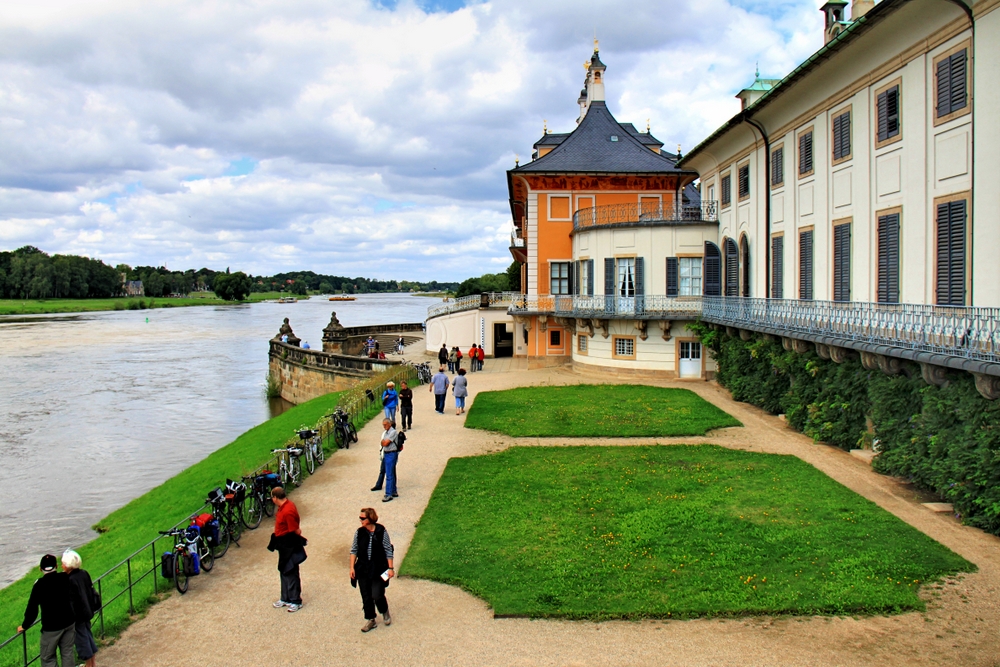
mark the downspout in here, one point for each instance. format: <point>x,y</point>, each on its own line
<point>767,205</point>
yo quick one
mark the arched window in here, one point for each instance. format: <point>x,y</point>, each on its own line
<point>712,270</point>
<point>745,265</point>
<point>732,287</point>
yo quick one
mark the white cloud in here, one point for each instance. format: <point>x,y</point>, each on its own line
<point>375,139</point>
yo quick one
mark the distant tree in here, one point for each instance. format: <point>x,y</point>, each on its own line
<point>299,287</point>
<point>514,276</point>
<point>325,287</point>
<point>488,282</point>
<point>232,286</point>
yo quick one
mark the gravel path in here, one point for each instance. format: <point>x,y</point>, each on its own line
<point>227,619</point>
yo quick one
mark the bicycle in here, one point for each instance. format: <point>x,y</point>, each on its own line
<point>423,370</point>
<point>230,522</point>
<point>258,501</point>
<point>187,543</point>
<point>344,432</point>
<point>312,444</point>
<point>289,468</point>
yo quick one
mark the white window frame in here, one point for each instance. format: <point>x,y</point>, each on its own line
<point>694,277</point>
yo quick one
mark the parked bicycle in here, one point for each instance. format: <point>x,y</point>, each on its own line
<point>189,555</point>
<point>289,467</point>
<point>258,500</point>
<point>344,432</point>
<point>312,446</point>
<point>423,370</point>
<point>225,509</point>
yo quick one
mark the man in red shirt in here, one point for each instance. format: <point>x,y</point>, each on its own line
<point>287,540</point>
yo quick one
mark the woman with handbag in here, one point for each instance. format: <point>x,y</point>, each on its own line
<point>86,603</point>
<point>390,399</point>
<point>371,567</point>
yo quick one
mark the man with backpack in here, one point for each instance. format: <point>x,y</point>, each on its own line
<point>56,597</point>
<point>390,455</point>
<point>287,540</point>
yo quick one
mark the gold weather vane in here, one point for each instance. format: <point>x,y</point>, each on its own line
<point>647,126</point>
<point>517,160</point>
<point>545,126</point>
<point>595,40</point>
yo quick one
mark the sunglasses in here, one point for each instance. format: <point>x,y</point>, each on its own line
<point>362,518</point>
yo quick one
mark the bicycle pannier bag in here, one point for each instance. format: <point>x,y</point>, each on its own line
<point>216,496</point>
<point>202,519</point>
<point>211,533</point>
<point>192,564</point>
<point>167,565</point>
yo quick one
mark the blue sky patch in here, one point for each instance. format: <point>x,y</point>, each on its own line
<point>429,6</point>
<point>241,167</point>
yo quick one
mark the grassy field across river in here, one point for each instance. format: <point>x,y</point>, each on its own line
<point>47,306</point>
<point>129,528</point>
<point>667,532</point>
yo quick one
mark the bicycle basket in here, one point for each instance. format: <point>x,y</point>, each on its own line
<point>236,489</point>
<point>216,496</point>
<point>305,435</point>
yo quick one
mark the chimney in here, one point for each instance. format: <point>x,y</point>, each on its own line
<point>861,7</point>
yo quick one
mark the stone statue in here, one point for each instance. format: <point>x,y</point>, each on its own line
<point>334,336</point>
<point>286,330</point>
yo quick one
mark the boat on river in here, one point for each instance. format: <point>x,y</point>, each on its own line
<point>343,298</point>
<point>288,299</point>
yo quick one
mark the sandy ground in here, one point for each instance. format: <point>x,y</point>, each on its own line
<point>227,618</point>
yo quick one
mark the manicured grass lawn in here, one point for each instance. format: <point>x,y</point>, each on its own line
<point>135,524</point>
<point>603,410</point>
<point>667,531</point>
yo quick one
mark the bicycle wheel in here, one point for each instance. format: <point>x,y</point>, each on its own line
<point>220,549</point>
<point>339,438</point>
<point>310,460</point>
<point>295,473</point>
<point>269,506</point>
<point>252,511</point>
<point>205,554</point>
<point>319,454</point>
<point>234,522</point>
<point>180,577</point>
<point>353,431</point>
<point>283,474</point>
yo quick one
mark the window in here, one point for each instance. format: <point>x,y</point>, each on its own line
<point>626,277</point>
<point>842,262</point>
<point>887,115</point>
<point>581,343</point>
<point>743,175</point>
<point>888,257</point>
<point>806,264</point>
<point>777,267</point>
<point>745,265</point>
<point>732,267</point>
<point>690,350</point>
<point>690,276</point>
<point>951,221</point>
<point>585,277</point>
<point>952,85</point>
<point>624,347</point>
<point>842,137</point>
<point>555,338</point>
<point>726,190</point>
<point>806,153</point>
<point>778,166</point>
<point>713,270</point>
<point>711,194</point>
<point>559,279</point>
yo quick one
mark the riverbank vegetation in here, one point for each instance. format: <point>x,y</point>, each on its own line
<point>588,410</point>
<point>667,532</point>
<point>508,281</point>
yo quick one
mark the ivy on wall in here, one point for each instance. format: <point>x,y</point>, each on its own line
<point>944,439</point>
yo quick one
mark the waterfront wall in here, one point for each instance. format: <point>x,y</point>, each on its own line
<point>305,374</point>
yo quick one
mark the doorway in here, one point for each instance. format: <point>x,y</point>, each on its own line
<point>689,361</point>
<point>503,340</point>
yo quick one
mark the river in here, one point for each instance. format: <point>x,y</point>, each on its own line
<point>98,408</point>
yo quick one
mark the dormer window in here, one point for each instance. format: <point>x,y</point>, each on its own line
<point>614,137</point>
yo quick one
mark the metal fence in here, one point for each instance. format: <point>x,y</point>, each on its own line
<point>472,302</point>
<point>640,214</point>
<point>132,585</point>
<point>643,307</point>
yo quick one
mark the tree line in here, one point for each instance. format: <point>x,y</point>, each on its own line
<point>301,282</point>
<point>508,281</point>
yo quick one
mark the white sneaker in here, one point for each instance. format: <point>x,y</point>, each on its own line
<point>294,608</point>
<point>278,604</point>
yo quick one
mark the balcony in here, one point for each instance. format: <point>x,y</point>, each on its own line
<point>474,302</point>
<point>601,307</point>
<point>641,215</point>
<point>518,248</point>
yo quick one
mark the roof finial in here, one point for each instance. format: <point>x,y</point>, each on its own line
<point>545,126</point>
<point>517,160</point>
<point>595,40</point>
<point>756,73</point>
<point>647,126</point>
<point>678,151</point>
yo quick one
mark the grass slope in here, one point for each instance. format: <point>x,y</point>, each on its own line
<point>129,528</point>
<point>667,531</point>
<point>47,306</point>
<point>596,411</point>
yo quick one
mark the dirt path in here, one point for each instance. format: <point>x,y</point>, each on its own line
<point>227,617</point>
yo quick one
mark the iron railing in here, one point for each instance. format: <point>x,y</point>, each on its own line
<point>135,579</point>
<point>645,214</point>
<point>516,241</point>
<point>643,307</point>
<point>964,332</point>
<point>472,302</point>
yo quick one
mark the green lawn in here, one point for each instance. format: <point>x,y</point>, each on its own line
<point>604,410</point>
<point>667,531</point>
<point>45,306</point>
<point>135,524</point>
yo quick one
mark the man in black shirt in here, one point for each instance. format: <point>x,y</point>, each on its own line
<point>405,406</point>
<point>54,595</point>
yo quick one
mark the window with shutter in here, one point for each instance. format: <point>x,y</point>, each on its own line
<point>576,277</point>
<point>951,253</point>
<point>713,270</point>
<point>726,189</point>
<point>673,279</point>
<point>951,74</point>
<point>887,115</point>
<point>888,258</point>
<point>806,153</point>
<point>640,276</point>
<point>690,276</point>
<point>778,166</point>
<point>745,266</point>
<point>743,174</point>
<point>590,277</point>
<point>842,137</point>
<point>777,267</point>
<point>806,264</point>
<point>732,267</point>
<point>842,262</point>
<point>609,276</point>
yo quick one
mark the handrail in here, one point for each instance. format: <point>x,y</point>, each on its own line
<point>646,214</point>
<point>600,306</point>
<point>471,302</point>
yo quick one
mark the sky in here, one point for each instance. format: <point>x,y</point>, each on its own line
<point>356,137</point>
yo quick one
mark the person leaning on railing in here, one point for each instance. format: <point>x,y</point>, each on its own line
<point>54,594</point>
<point>88,603</point>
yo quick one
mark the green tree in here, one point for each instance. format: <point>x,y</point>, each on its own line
<point>299,287</point>
<point>325,287</point>
<point>514,276</point>
<point>232,286</point>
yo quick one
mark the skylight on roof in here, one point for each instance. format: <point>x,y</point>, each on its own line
<point>614,137</point>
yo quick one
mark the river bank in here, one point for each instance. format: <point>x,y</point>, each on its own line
<point>53,306</point>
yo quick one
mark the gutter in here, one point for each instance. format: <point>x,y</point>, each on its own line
<point>767,206</point>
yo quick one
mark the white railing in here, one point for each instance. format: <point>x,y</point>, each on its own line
<point>649,306</point>
<point>472,302</point>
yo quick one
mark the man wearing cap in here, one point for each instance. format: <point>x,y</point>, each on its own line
<point>54,594</point>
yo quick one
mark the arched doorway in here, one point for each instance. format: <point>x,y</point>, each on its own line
<point>732,287</point>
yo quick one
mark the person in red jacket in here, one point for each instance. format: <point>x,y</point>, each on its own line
<point>473,356</point>
<point>480,356</point>
<point>287,540</point>
<point>458,358</point>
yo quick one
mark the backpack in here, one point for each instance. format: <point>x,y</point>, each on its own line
<point>400,439</point>
<point>167,565</point>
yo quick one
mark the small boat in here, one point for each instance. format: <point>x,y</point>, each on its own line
<point>288,299</point>
<point>343,298</point>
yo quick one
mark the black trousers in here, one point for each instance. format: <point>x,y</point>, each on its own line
<point>373,596</point>
<point>406,416</point>
<point>439,402</point>
<point>291,585</point>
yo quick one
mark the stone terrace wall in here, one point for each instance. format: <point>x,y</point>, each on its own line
<point>306,374</point>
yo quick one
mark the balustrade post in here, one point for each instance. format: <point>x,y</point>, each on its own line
<point>128,567</point>
<point>152,548</point>
<point>100,591</point>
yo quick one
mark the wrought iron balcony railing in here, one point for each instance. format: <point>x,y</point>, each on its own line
<point>516,241</point>
<point>473,302</point>
<point>646,307</point>
<point>644,214</point>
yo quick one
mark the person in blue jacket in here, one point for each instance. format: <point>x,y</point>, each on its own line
<point>390,399</point>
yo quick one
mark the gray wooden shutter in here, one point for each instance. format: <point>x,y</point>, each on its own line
<point>712,270</point>
<point>745,266</point>
<point>957,64</point>
<point>944,87</point>
<point>576,277</point>
<point>744,180</point>
<point>609,276</point>
<point>732,267</point>
<point>640,278</point>
<point>888,258</point>
<point>842,136</point>
<point>892,112</point>
<point>572,275</point>
<point>806,153</point>
<point>882,106</point>
<point>842,262</point>
<point>590,277</point>
<point>951,253</point>
<point>672,277</point>
<point>778,166</point>
<point>777,267</point>
<point>726,190</point>
<point>806,265</point>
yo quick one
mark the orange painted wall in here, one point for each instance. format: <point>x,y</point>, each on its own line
<point>554,242</point>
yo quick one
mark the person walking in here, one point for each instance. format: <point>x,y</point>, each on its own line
<point>287,540</point>
<point>390,456</point>
<point>443,355</point>
<point>54,594</point>
<point>480,356</point>
<point>461,389</point>
<point>439,385</point>
<point>86,606</point>
<point>405,406</point>
<point>472,358</point>
<point>371,567</point>
<point>452,358</point>
<point>458,358</point>
<point>390,399</point>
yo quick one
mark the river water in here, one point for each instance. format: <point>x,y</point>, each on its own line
<point>98,408</point>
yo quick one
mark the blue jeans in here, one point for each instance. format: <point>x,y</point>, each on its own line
<point>460,402</point>
<point>390,413</point>
<point>439,402</point>
<point>390,459</point>
<point>381,474</point>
